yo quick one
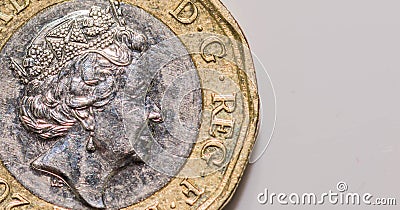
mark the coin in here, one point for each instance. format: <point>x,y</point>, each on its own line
<point>138,104</point>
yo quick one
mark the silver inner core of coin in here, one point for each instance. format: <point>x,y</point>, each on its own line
<point>83,88</point>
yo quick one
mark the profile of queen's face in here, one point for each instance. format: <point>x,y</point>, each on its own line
<point>72,74</point>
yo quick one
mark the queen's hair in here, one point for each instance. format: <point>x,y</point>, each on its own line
<point>58,96</point>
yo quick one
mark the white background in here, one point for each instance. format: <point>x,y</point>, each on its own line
<point>335,66</point>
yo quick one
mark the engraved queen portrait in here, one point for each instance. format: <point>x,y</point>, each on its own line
<point>72,74</point>
<point>111,104</point>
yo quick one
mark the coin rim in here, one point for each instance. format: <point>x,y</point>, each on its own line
<point>241,157</point>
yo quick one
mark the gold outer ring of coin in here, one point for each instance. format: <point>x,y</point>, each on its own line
<point>211,191</point>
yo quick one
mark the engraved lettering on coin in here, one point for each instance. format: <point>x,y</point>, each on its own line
<point>5,17</point>
<point>214,152</point>
<point>6,191</point>
<point>19,7</point>
<point>16,198</point>
<point>212,56</point>
<point>86,78</point>
<point>192,193</point>
<point>221,127</point>
<point>186,12</point>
